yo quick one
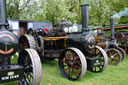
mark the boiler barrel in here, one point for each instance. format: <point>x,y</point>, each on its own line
<point>8,44</point>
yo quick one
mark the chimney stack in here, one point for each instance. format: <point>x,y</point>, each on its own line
<point>85,17</point>
<point>3,14</point>
<point>112,28</point>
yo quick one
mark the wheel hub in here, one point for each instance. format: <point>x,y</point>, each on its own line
<point>28,69</point>
<point>70,64</point>
<point>112,57</point>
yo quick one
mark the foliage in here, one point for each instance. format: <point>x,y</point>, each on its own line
<point>102,10</point>
<point>16,8</point>
<point>56,10</point>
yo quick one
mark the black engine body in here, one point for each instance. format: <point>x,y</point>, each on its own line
<point>8,43</point>
<point>83,41</point>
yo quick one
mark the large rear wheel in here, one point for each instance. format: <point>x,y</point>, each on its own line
<point>30,60</point>
<point>72,64</point>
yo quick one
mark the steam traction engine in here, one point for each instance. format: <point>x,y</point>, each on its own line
<point>77,52</point>
<point>28,69</point>
<point>122,39</point>
<point>115,54</point>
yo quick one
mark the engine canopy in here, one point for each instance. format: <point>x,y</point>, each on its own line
<point>8,44</point>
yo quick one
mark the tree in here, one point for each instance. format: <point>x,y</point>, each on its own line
<point>102,10</point>
<point>15,8</point>
<point>55,10</point>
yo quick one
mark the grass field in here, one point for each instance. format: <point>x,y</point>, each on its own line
<point>112,75</point>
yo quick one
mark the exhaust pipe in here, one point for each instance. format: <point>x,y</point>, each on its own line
<point>85,17</point>
<point>3,14</point>
<point>112,28</point>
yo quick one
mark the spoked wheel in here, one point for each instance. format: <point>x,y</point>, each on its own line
<point>27,41</point>
<point>114,56</point>
<point>40,43</point>
<point>30,60</point>
<point>72,64</point>
<point>102,62</point>
<point>123,53</point>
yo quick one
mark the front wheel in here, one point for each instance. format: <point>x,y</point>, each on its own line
<point>114,56</point>
<point>30,60</point>
<point>100,53</point>
<point>72,64</point>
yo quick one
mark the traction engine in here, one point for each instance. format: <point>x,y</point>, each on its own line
<point>25,70</point>
<point>76,52</point>
<point>114,52</point>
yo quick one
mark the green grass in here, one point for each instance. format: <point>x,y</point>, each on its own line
<point>112,75</point>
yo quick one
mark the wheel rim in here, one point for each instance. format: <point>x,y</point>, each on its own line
<point>32,67</point>
<point>114,56</point>
<point>99,52</point>
<point>27,41</point>
<point>122,52</point>
<point>40,43</point>
<point>28,71</point>
<point>23,43</point>
<point>72,64</point>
